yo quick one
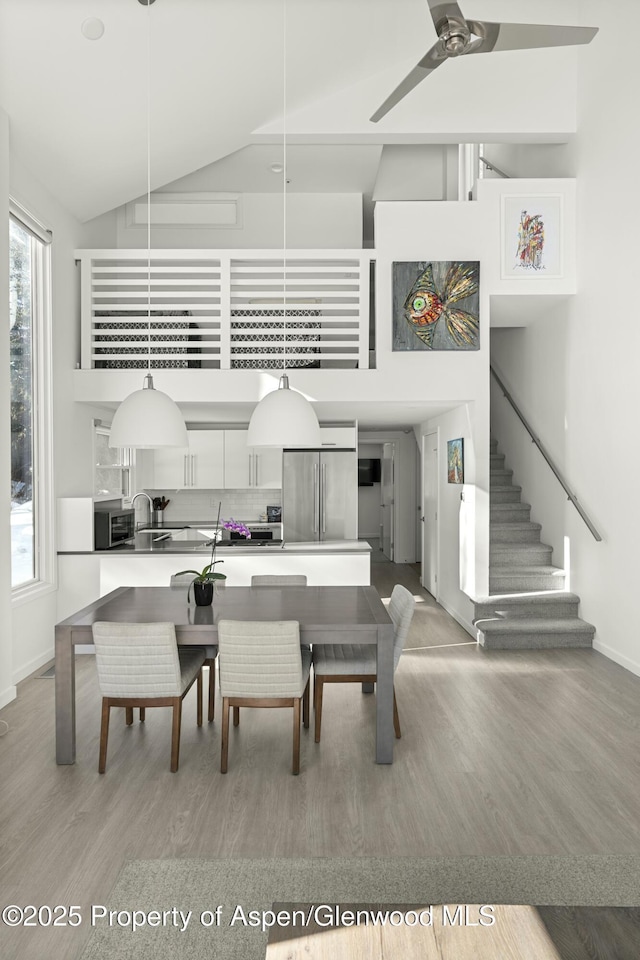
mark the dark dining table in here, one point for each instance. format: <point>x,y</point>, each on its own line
<point>351,614</point>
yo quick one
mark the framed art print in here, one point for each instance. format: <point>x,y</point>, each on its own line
<point>455,461</point>
<point>436,305</point>
<point>532,237</point>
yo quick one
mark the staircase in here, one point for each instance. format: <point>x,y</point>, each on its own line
<point>528,607</point>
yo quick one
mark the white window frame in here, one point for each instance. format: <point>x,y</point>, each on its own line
<point>126,466</point>
<point>42,412</point>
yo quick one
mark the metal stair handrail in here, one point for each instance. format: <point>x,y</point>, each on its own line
<point>570,494</point>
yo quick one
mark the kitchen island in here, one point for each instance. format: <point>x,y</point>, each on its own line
<point>150,562</point>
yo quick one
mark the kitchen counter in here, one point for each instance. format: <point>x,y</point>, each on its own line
<point>84,577</point>
<point>147,544</point>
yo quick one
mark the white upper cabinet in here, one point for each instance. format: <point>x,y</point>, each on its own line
<point>199,467</point>
<point>245,467</point>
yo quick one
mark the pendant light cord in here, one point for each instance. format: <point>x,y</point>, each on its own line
<point>284,184</point>
<point>149,187</point>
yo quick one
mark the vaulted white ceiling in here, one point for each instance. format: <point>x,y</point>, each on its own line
<point>77,107</point>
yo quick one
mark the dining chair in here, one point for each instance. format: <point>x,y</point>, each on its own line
<point>210,652</point>
<point>356,663</point>
<point>141,665</point>
<point>262,665</point>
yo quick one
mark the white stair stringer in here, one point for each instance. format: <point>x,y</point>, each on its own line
<point>528,607</point>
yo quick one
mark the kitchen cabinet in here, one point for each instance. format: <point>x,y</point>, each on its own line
<point>198,467</point>
<point>246,467</point>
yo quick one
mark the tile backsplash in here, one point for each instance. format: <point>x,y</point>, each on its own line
<point>191,505</point>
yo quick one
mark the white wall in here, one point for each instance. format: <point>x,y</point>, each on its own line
<point>405,502</point>
<point>445,231</point>
<point>531,361</point>
<point>462,541</point>
<point>33,620</point>
<point>603,338</point>
<point>577,374</point>
<point>369,498</point>
<point>314,221</point>
<point>7,688</point>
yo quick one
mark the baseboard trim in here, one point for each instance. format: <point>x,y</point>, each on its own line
<point>469,627</point>
<point>28,668</point>
<point>618,658</point>
<point>7,696</point>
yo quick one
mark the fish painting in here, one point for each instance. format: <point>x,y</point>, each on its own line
<point>530,241</point>
<point>432,311</point>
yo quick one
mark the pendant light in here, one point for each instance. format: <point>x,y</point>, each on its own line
<point>284,417</point>
<point>148,417</point>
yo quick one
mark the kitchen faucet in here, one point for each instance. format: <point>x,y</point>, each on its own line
<point>143,494</point>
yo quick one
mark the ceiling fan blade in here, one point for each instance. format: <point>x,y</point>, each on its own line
<point>427,65</point>
<point>442,9</point>
<point>525,36</point>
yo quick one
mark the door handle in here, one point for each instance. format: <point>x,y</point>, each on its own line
<point>316,498</point>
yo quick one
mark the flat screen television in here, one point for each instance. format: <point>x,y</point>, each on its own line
<point>368,471</point>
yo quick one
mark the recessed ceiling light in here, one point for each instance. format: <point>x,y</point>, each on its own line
<point>276,167</point>
<point>92,28</point>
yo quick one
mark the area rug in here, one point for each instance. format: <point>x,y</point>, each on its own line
<point>201,898</point>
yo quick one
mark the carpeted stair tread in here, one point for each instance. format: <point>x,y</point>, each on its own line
<point>535,625</point>
<point>541,603</point>
<point>514,531</point>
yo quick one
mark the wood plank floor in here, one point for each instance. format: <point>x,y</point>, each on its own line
<point>503,753</point>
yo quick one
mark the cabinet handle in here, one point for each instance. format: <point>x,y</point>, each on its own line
<point>184,470</point>
<point>250,469</point>
<point>257,457</point>
<point>193,469</point>
<point>324,497</point>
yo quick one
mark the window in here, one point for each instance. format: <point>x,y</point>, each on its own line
<point>31,505</point>
<point>112,471</point>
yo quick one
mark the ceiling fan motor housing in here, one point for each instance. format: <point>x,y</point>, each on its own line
<point>454,35</point>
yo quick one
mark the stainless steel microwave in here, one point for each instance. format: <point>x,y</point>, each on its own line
<point>113,527</point>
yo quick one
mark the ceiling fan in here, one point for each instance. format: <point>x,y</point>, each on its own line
<point>458,37</point>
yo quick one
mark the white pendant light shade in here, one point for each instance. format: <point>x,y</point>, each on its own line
<point>284,418</point>
<point>148,418</point>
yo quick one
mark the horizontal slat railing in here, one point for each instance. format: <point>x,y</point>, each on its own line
<point>224,309</point>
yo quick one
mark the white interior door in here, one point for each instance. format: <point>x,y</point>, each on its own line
<point>388,498</point>
<point>430,513</point>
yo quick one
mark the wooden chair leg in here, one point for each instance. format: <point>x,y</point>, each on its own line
<point>212,688</point>
<point>295,769</point>
<point>142,714</point>
<point>199,698</point>
<point>104,735</point>
<point>396,718</point>
<point>175,733</point>
<point>128,715</point>
<point>305,705</point>
<point>318,685</point>
<point>236,716</point>
<point>224,753</point>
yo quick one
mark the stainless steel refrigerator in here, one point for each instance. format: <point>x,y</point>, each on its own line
<point>319,495</point>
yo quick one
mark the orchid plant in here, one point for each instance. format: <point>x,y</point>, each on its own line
<point>208,574</point>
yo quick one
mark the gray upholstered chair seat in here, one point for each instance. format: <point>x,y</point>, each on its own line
<point>344,658</point>
<point>191,661</point>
